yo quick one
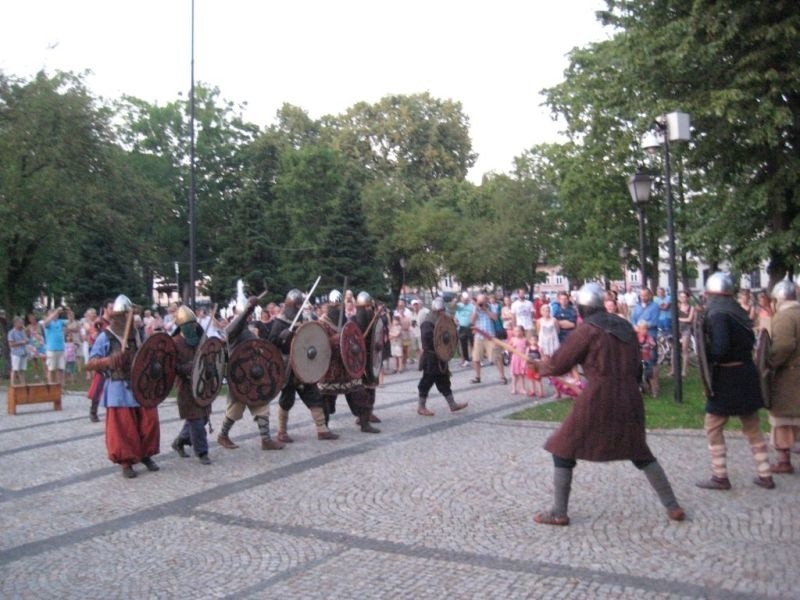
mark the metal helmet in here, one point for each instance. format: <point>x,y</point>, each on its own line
<point>591,295</point>
<point>335,297</point>
<point>437,304</point>
<point>720,283</point>
<point>122,304</point>
<point>363,299</point>
<point>185,315</point>
<point>784,290</point>
<point>294,297</point>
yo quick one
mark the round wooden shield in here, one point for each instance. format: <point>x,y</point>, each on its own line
<point>445,337</point>
<point>255,371</point>
<point>353,350</point>
<point>208,371</point>
<point>153,370</point>
<point>702,357</point>
<point>310,355</point>
<point>763,346</point>
<point>375,349</point>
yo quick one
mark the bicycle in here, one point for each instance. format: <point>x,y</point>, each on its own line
<point>664,344</point>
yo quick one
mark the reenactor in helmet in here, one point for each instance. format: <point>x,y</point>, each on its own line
<point>281,335</point>
<point>736,390</point>
<point>132,431</point>
<point>434,370</point>
<point>784,360</point>
<point>187,336</point>
<point>359,393</point>
<point>607,418</point>
<point>237,332</point>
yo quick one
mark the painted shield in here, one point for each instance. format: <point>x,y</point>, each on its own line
<point>702,356</point>
<point>310,355</point>
<point>255,371</point>
<point>375,349</point>
<point>763,346</point>
<point>353,350</point>
<point>153,370</point>
<point>208,371</point>
<point>445,337</point>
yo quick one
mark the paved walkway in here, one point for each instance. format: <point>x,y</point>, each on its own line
<point>431,508</point>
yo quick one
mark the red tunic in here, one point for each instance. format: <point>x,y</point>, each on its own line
<point>607,418</point>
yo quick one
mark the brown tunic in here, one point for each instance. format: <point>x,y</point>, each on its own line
<point>784,358</point>
<point>607,418</point>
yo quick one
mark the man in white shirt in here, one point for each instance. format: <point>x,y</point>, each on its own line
<point>523,312</point>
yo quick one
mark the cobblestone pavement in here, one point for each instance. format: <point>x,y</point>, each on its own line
<point>435,507</point>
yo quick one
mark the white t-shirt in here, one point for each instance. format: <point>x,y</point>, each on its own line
<point>523,311</point>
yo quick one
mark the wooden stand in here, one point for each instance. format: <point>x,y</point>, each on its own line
<point>33,394</point>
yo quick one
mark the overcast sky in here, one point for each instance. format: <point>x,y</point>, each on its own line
<point>323,56</point>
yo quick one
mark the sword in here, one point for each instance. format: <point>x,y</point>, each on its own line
<point>305,302</point>
<point>501,343</point>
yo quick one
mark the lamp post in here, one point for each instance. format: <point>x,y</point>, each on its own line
<point>670,127</point>
<point>639,186</point>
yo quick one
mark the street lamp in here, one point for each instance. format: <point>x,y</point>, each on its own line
<point>639,186</point>
<point>665,129</point>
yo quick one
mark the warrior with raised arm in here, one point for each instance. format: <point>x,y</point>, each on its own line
<point>281,334</point>
<point>238,332</point>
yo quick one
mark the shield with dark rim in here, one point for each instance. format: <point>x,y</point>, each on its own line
<point>445,337</point>
<point>255,371</point>
<point>208,370</point>
<point>153,370</point>
<point>375,349</point>
<point>310,355</point>
<point>353,349</point>
<point>702,356</point>
<point>763,346</point>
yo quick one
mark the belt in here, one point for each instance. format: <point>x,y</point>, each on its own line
<point>731,364</point>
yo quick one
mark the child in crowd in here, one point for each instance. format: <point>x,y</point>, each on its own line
<point>396,342</point>
<point>569,385</point>
<point>534,353</point>
<point>518,363</point>
<point>70,358</point>
<point>647,347</point>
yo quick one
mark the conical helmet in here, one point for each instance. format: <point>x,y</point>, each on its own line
<point>185,315</point>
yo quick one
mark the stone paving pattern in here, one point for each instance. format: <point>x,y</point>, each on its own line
<point>434,507</point>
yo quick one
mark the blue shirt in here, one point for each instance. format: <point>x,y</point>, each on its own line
<point>54,335</point>
<point>565,314</point>
<point>116,393</point>
<point>648,314</point>
<point>15,336</point>
<point>483,320</point>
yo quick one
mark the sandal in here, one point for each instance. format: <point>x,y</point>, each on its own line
<point>548,518</point>
<point>505,380</point>
<point>475,380</point>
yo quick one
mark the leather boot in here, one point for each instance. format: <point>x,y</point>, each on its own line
<point>422,409</point>
<point>283,425</point>
<point>271,445</point>
<point>366,426</point>
<point>323,433</point>
<point>226,442</point>
<point>454,406</point>
<point>784,464</point>
<point>178,445</point>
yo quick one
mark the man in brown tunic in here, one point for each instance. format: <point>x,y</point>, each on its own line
<point>607,418</point>
<point>784,359</point>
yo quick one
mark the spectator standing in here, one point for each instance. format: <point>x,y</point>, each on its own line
<point>764,312</point>
<point>88,335</point>
<point>463,316</point>
<point>18,344</point>
<point>507,315</point>
<point>519,365</point>
<point>169,318</point>
<point>483,318</point>
<point>547,328</point>
<point>70,358</point>
<point>686,326</point>
<point>566,316</point>
<point>405,315</point>
<point>647,311</point>
<point>523,312</point>
<point>418,315</point>
<point>746,302</point>
<point>54,340</point>
<point>664,302</point>
<point>36,349</point>
<point>396,342</point>
<point>534,354</point>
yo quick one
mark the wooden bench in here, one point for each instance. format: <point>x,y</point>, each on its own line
<point>33,394</point>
